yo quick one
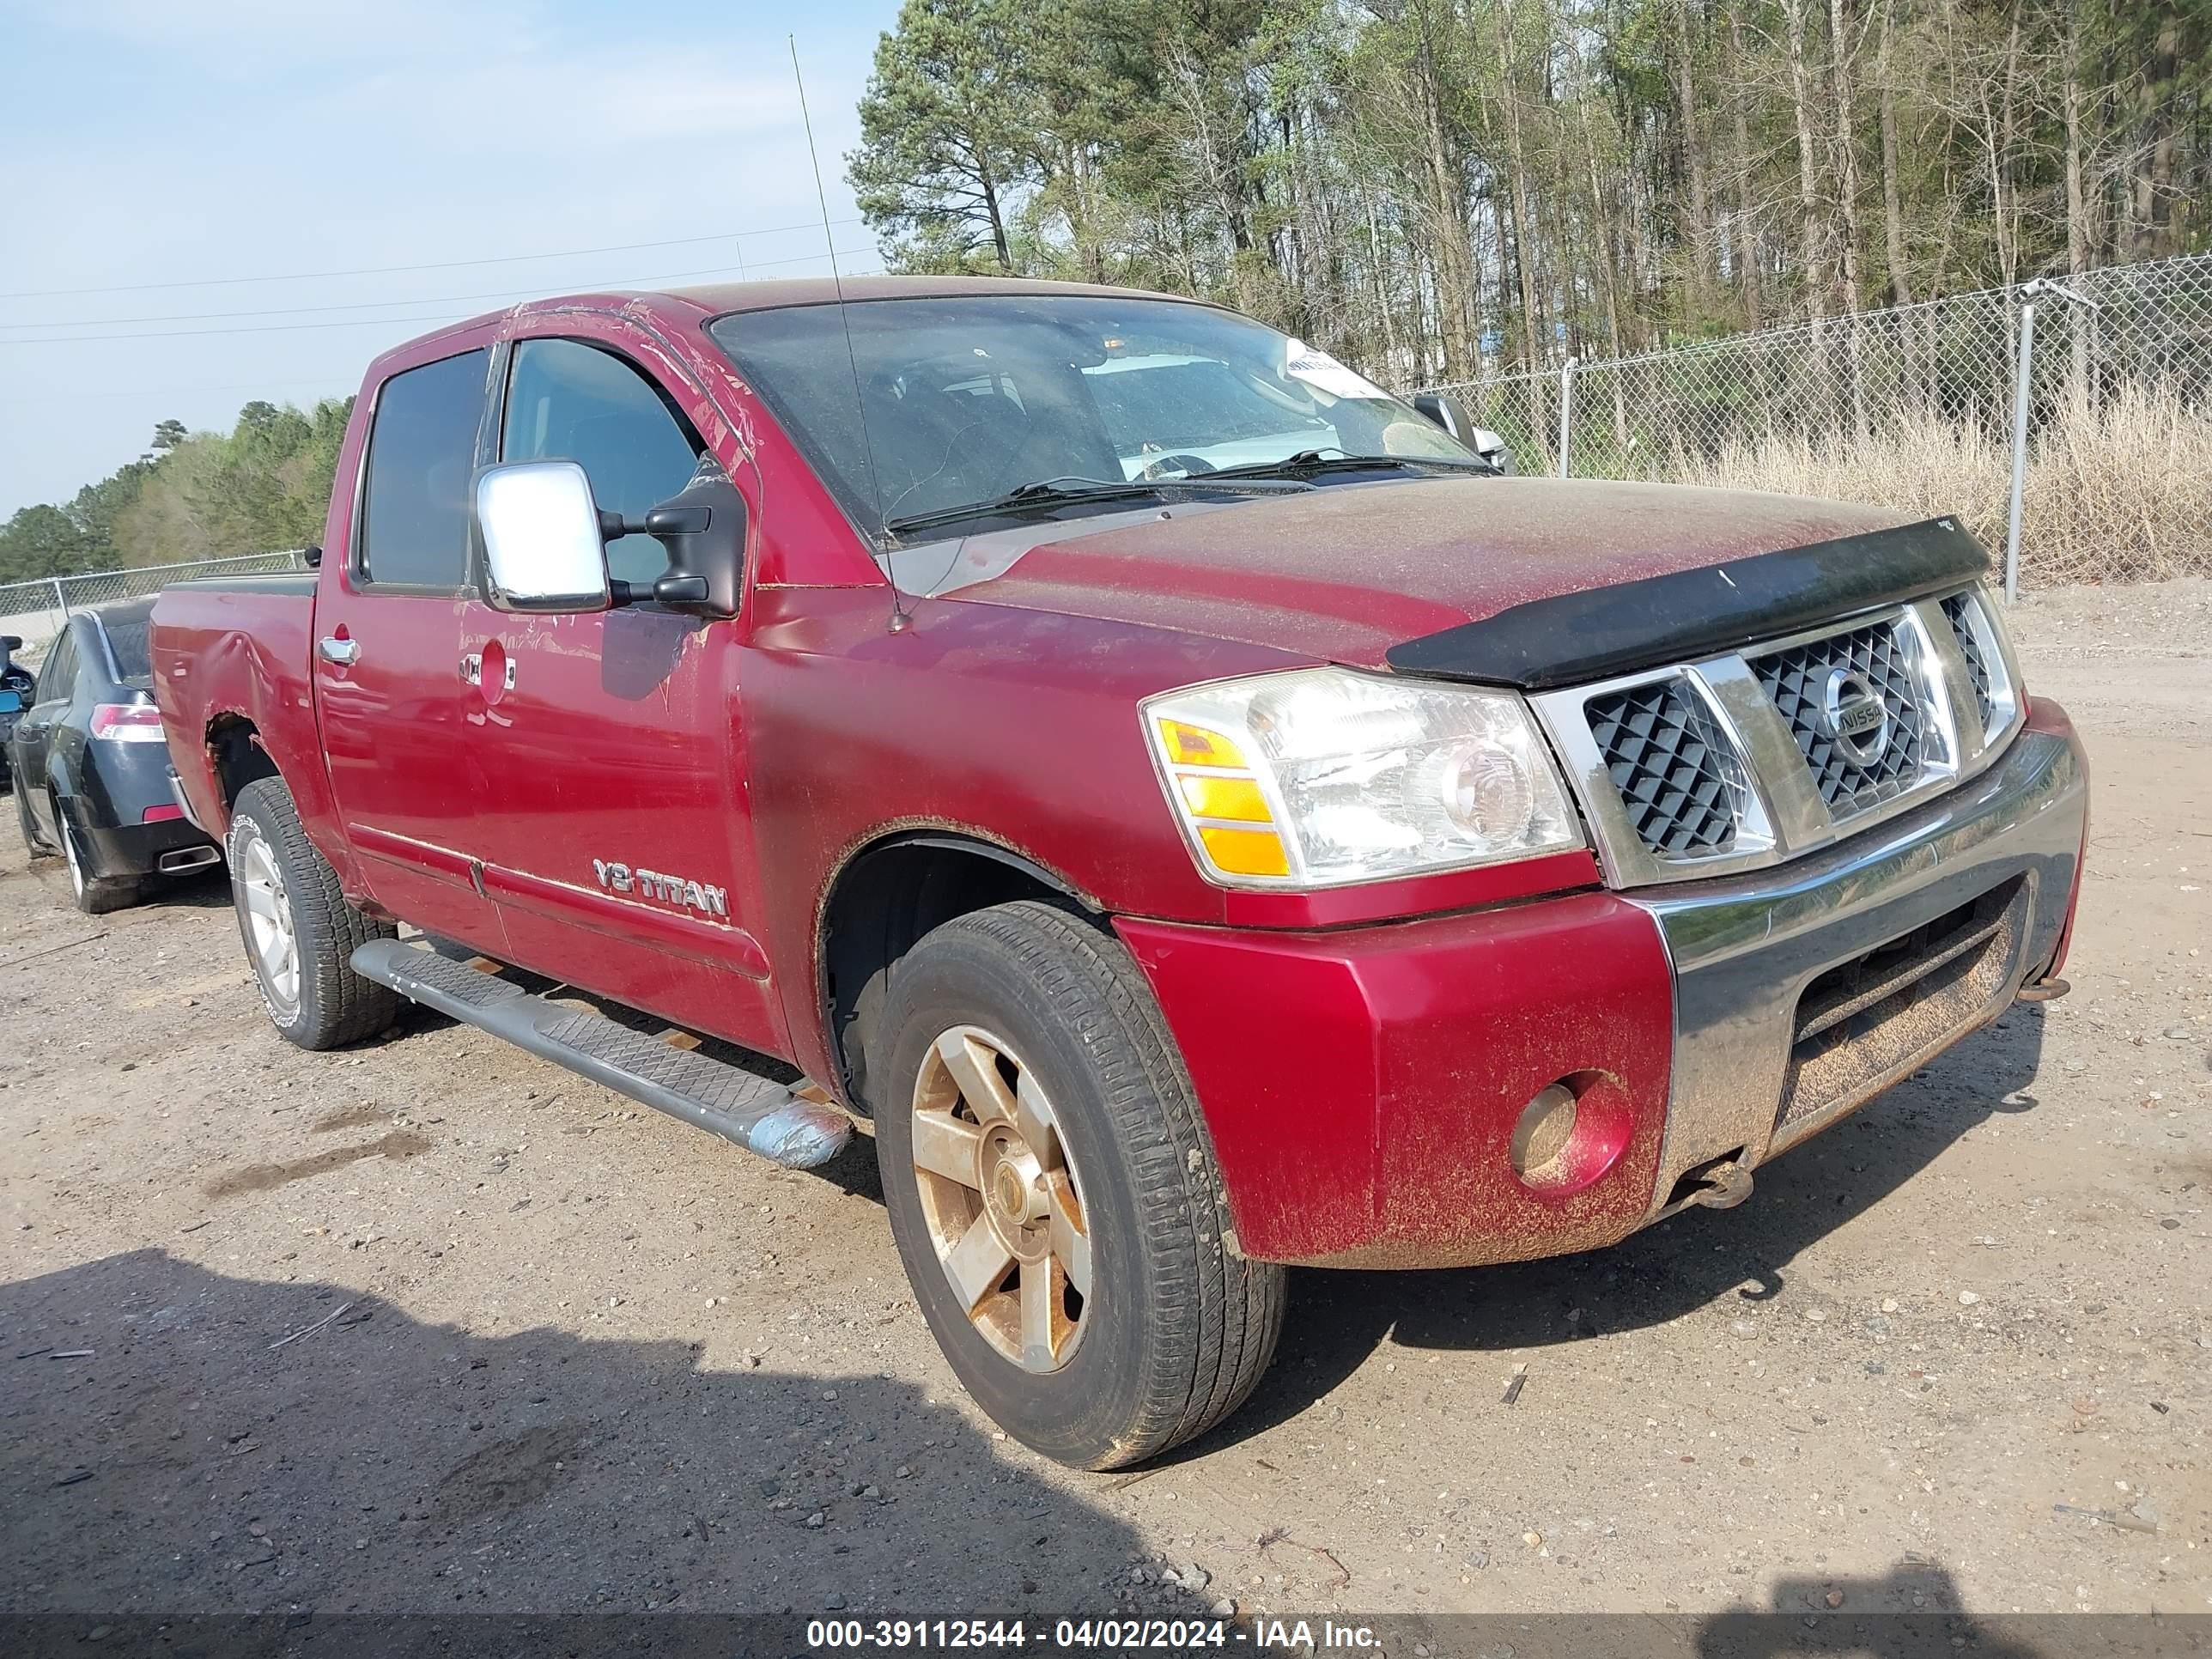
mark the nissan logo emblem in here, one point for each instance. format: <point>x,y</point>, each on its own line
<point>1855,717</point>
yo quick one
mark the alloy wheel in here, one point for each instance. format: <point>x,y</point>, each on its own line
<point>1001,1199</point>
<point>269,921</point>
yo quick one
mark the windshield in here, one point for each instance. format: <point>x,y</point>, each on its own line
<point>969,398</point>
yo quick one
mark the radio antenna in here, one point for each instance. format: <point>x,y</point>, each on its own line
<point>881,553</point>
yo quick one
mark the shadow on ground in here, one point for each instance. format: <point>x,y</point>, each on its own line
<point>1337,1319</point>
<point>196,1460</point>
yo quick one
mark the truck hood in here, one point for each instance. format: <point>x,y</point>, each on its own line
<point>1343,572</point>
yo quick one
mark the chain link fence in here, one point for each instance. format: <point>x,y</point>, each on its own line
<point>1924,407</point>
<point>33,610</point>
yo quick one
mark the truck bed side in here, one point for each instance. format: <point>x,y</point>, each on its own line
<point>232,662</point>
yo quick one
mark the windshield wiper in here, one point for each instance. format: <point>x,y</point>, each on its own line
<point>1059,492</point>
<point>1307,461</point>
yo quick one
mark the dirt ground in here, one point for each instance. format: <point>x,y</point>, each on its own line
<point>432,1326</point>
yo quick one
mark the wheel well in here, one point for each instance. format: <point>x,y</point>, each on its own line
<point>233,743</point>
<point>883,900</point>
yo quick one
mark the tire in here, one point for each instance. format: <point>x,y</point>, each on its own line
<point>280,885</point>
<point>94,894</point>
<point>1175,1331</point>
<point>32,845</point>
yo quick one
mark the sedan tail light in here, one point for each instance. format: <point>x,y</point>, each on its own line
<point>127,722</point>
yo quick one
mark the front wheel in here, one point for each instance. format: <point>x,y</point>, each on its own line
<point>1054,1192</point>
<point>300,932</point>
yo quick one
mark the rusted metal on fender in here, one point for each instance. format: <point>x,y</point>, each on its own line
<point>1362,1087</point>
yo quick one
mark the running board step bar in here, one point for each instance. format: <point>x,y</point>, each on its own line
<point>761,1116</point>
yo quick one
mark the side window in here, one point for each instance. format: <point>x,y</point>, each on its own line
<point>57,674</point>
<point>570,402</point>
<point>422,452</point>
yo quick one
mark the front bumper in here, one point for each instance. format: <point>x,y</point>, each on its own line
<point>1362,1087</point>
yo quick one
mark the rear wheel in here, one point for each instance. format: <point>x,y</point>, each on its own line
<point>95,895</point>
<point>300,932</point>
<point>1054,1196</point>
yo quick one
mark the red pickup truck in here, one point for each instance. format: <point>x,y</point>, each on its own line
<point>1198,814</point>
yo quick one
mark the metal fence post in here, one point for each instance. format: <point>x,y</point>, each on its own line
<point>2019,406</point>
<point>61,605</point>
<point>1566,413</point>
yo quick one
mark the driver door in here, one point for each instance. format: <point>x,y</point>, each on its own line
<point>615,823</point>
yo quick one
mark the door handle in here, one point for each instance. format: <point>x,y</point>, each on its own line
<point>341,652</point>
<point>472,671</point>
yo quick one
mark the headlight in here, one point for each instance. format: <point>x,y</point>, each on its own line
<point>1321,776</point>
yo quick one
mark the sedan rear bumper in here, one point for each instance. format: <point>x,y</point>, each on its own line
<point>132,851</point>
<point>1363,1087</point>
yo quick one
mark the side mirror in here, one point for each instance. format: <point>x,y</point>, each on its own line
<point>542,538</point>
<point>1448,413</point>
<point>11,642</point>
<point>1451,415</point>
<point>703,528</point>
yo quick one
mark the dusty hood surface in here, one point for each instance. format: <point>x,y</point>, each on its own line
<point>1345,572</point>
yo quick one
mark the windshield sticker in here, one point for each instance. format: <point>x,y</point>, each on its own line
<point>1324,373</point>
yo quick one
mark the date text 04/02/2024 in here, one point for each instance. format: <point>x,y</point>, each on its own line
<point>1287,1635</point>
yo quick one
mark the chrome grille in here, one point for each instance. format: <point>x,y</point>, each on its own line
<point>1797,679</point>
<point>1739,761</point>
<point>1679,785</point>
<point>1958,611</point>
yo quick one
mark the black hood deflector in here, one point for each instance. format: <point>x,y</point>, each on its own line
<point>1572,638</point>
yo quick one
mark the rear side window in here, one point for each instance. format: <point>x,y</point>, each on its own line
<point>57,675</point>
<point>570,402</point>
<point>421,451</point>
<point>130,644</point>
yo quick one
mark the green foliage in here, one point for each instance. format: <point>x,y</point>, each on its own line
<point>263,487</point>
<point>947,129</point>
<point>1459,187</point>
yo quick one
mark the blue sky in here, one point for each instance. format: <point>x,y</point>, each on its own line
<point>166,142</point>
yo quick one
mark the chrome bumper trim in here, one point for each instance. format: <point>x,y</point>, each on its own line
<point>1744,948</point>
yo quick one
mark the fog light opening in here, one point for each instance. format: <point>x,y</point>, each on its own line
<point>1547,1123</point>
<point>1571,1134</point>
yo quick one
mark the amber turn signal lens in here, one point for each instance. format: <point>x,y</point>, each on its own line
<point>1193,745</point>
<point>1224,797</point>
<point>1245,852</point>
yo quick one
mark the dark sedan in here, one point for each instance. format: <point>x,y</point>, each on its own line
<point>91,770</point>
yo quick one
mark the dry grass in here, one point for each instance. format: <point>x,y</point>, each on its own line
<point>2118,492</point>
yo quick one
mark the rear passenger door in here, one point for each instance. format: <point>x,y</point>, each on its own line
<point>35,732</point>
<point>387,652</point>
<point>616,739</point>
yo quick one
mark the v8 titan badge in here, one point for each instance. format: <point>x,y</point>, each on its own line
<point>673,891</point>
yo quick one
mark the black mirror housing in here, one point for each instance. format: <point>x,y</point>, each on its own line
<point>1447,412</point>
<point>703,528</point>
